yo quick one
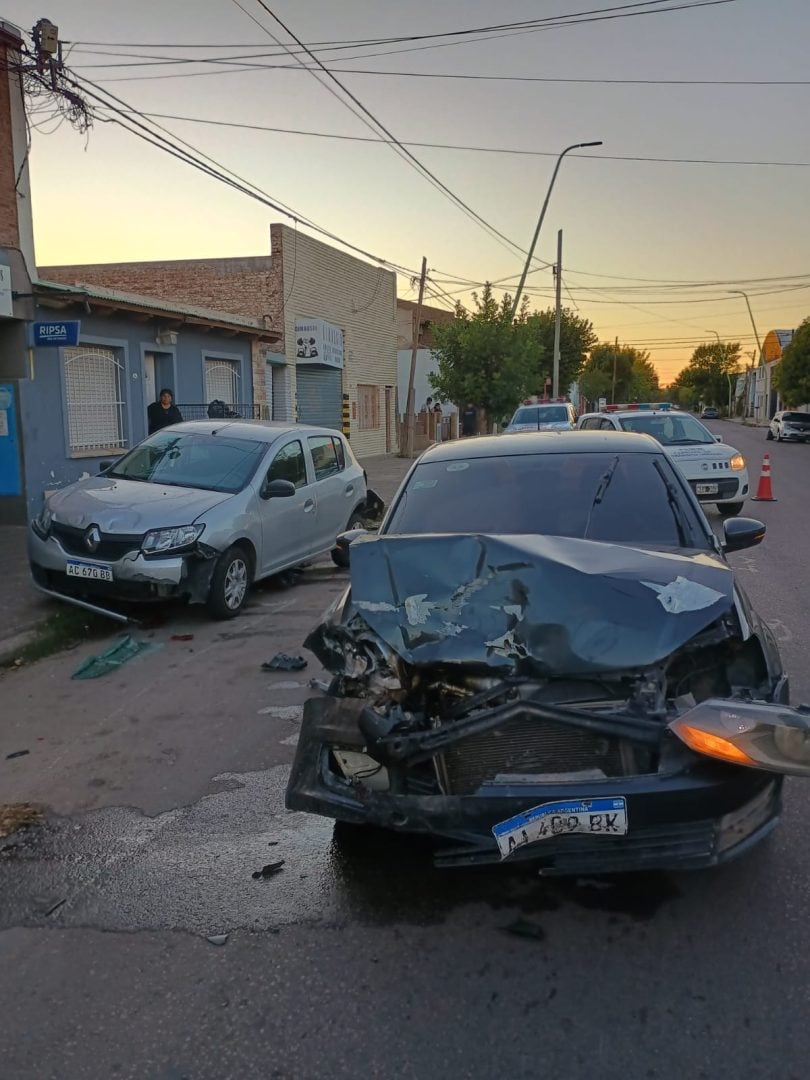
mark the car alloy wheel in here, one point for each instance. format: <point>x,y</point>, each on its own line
<point>236,583</point>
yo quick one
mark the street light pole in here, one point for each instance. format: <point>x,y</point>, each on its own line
<point>740,292</point>
<point>530,255</point>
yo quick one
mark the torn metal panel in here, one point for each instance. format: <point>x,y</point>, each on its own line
<point>535,605</point>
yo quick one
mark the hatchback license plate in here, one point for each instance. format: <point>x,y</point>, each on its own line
<point>92,571</point>
<point>706,489</point>
<point>590,817</point>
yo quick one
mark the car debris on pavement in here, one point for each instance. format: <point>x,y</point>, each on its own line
<point>285,662</point>
<point>119,653</point>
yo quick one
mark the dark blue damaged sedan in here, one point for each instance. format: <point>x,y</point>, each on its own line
<point>544,655</point>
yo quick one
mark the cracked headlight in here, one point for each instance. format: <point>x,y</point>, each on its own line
<point>182,536</point>
<point>761,736</point>
<point>737,462</point>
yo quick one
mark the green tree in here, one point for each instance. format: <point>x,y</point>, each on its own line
<point>577,338</point>
<point>485,357</point>
<point>709,369</point>
<point>636,378</point>
<point>792,376</point>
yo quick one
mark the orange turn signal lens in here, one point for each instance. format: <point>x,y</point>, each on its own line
<point>702,742</point>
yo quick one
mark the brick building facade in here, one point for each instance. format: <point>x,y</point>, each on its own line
<point>302,281</point>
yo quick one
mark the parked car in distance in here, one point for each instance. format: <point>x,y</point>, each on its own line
<point>574,678</point>
<point>199,510</point>
<point>710,413</point>
<point>716,472</point>
<point>790,424</point>
<point>542,417</point>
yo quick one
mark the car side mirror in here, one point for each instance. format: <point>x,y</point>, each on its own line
<point>105,466</point>
<point>718,438</point>
<point>340,552</point>
<point>278,489</point>
<point>741,533</point>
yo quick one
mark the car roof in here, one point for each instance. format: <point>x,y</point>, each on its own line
<point>638,412</point>
<point>267,431</point>
<point>544,442</point>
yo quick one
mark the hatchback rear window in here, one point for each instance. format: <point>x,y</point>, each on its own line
<point>796,417</point>
<point>541,414</point>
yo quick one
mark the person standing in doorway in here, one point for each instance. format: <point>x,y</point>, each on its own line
<point>469,418</point>
<point>163,412</point>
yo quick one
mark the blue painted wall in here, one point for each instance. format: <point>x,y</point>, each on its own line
<point>47,461</point>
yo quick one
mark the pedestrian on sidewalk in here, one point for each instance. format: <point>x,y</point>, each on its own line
<point>438,419</point>
<point>163,412</point>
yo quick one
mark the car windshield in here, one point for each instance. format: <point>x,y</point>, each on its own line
<point>676,429</point>
<point>796,417</point>
<point>186,459</point>
<point>615,498</point>
<point>541,414</point>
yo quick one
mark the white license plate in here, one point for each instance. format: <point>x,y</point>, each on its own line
<point>93,571</point>
<point>588,817</point>
<point>706,489</point>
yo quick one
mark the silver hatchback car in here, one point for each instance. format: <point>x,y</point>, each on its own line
<point>199,510</point>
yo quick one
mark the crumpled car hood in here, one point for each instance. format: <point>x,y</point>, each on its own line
<point>540,604</point>
<point>126,506</point>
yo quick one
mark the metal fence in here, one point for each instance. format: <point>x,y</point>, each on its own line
<point>220,410</point>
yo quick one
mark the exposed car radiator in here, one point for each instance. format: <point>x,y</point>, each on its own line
<point>528,746</point>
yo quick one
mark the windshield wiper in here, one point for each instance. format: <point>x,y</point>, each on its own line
<point>688,442</point>
<point>599,494</point>
<point>681,523</point>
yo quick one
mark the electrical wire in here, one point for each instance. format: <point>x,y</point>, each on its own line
<point>376,125</point>
<point>458,146</point>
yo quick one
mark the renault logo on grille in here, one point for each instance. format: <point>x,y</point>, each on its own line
<point>92,538</point>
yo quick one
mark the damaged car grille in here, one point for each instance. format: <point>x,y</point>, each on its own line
<point>525,747</point>
<point>110,547</point>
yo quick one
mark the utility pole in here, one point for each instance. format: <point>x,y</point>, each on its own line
<point>410,407</point>
<point>555,383</point>
<point>615,358</point>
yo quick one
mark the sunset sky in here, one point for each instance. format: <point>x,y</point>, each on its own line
<point>640,236</point>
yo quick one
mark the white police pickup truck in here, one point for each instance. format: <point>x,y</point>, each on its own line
<point>715,471</point>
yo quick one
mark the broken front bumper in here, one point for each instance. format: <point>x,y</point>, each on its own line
<point>698,817</point>
<point>135,577</point>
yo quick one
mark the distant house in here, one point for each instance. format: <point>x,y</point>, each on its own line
<point>766,399</point>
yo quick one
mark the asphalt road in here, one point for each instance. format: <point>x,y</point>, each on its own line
<point>165,781</point>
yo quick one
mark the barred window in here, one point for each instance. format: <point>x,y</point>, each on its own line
<point>368,407</point>
<point>94,399</point>
<point>222,381</point>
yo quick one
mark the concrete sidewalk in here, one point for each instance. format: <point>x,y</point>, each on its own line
<point>22,608</point>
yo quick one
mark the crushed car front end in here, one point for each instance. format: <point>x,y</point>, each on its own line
<point>533,711</point>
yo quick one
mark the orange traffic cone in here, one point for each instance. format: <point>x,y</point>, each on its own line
<point>764,490</point>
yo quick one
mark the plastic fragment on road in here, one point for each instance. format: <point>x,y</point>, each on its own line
<point>217,939</point>
<point>268,871</point>
<point>123,650</point>
<point>284,662</point>
<point>16,754</point>
<point>525,928</point>
<point>684,595</point>
<point>181,637</point>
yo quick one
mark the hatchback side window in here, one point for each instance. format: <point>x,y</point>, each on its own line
<point>591,423</point>
<point>607,425</point>
<point>289,464</point>
<point>324,456</point>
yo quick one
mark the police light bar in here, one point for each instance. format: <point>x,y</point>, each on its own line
<point>661,406</point>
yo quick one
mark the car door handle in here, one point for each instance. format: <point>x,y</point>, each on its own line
<point>309,505</point>
<point>349,489</point>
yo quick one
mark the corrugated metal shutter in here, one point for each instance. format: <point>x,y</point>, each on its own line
<point>318,393</point>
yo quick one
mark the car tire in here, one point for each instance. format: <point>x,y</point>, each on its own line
<point>730,509</point>
<point>340,557</point>
<point>230,583</point>
<point>769,436</point>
